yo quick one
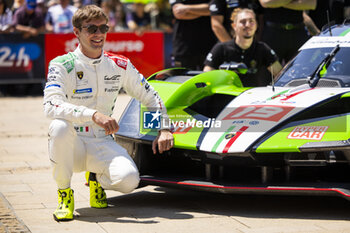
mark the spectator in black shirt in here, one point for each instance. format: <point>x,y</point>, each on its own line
<point>192,35</point>
<point>220,14</point>
<point>261,61</point>
<point>284,29</point>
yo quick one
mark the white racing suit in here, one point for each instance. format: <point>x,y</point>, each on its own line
<point>76,88</point>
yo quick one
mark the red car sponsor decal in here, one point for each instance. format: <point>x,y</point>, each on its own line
<point>308,132</point>
<point>259,112</point>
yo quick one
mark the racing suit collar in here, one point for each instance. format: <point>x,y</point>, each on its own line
<point>86,59</point>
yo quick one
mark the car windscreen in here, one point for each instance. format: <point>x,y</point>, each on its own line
<point>297,71</point>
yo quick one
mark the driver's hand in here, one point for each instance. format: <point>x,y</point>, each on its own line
<point>164,141</point>
<point>109,124</point>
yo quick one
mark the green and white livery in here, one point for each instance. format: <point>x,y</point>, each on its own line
<point>291,137</point>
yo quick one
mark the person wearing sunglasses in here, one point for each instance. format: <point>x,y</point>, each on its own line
<point>80,94</point>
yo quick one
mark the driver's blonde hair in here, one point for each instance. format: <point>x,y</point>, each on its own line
<point>87,13</point>
<point>238,11</point>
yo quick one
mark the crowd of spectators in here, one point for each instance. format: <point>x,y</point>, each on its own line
<point>55,15</point>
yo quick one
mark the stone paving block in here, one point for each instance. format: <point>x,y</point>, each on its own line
<point>41,176</point>
<point>338,226</point>
<point>39,164</point>
<point>43,222</point>
<point>14,188</point>
<point>2,172</point>
<point>23,142</point>
<point>27,206</point>
<point>23,147</point>
<point>288,228</point>
<point>17,198</point>
<point>25,199</point>
<point>9,179</point>
<point>202,225</point>
<point>288,225</point>
<point>13,165</point>
<point>10,195</point>
<point>47,192</point>
<point>5,158</point>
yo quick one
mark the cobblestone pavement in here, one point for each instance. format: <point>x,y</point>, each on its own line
<point>9,222</point>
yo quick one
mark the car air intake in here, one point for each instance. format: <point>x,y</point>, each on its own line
<point>321,83</point>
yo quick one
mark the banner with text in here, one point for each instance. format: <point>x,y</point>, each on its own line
<point>21,60</point>
<point>146,52</point>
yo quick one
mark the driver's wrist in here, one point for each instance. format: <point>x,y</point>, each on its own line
<point>164,130</point>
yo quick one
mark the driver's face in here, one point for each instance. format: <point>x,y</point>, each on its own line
<point>91,43</point>
<point>245,25</point>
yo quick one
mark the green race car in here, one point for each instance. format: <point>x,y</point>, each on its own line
<point>291,137</point>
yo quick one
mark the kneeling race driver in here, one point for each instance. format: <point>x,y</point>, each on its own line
<point>80,93</point>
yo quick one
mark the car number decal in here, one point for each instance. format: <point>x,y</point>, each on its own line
<point>259,112</point>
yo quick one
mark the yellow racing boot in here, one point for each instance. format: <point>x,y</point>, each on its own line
<point>65,209</point>
<point>87,174</point>
<point>98,198</point>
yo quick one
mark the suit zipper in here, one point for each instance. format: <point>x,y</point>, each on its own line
<point>97,91</point>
